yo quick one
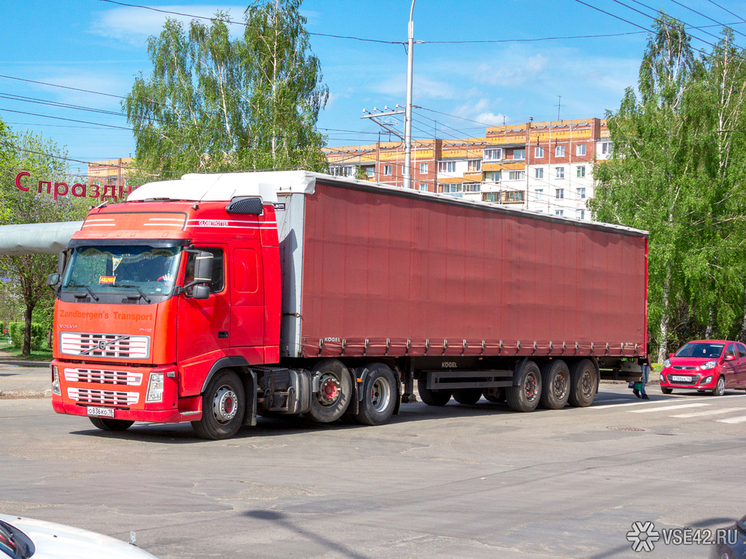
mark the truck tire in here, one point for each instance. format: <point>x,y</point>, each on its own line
<point>494,395</point>
<point>223,407</point>
<point>555,380</point>
<point>107,424</point>
<point>584,383</point>
<point>525,397</point>
<point>432,397</point>
<point>379,396</point>
<point>467,396</point>
<point>335,391</point>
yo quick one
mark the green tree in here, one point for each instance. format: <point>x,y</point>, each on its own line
<point>27,273</point>
<point>217,104</point>
<point>677,173</point>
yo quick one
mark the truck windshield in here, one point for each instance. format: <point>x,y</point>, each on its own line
<point>145,270</point>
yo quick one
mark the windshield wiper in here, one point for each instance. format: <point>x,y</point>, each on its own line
<point>95,297</point>
<point>147,299</point>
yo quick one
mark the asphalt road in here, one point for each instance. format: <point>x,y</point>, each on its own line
<point>460,481</point>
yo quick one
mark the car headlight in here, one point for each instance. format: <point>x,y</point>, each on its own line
<point>155,388</point>
<point>667,363</point>
<point>56,381</point>
<point>706,380</point>
<point>708,365</point>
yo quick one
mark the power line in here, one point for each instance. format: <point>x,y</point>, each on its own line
<point>704,16</point>
<point>726,10</point>
<point>67,119</point>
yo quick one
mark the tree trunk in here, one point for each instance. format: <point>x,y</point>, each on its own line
<point>708,330</point>
<point>27,330</point>
<point>663,347</point>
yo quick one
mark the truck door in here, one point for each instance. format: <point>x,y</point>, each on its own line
<point>203,325</point>
<point>247,297</point>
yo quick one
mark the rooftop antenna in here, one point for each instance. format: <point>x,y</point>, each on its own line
<point>559,106</point>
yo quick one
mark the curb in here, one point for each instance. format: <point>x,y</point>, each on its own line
<point>25,394</point>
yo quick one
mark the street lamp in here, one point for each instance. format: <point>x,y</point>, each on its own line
<point>407,179</point>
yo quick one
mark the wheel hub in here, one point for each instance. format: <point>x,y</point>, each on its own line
<point>329,390</point>
<point>225,404</point>
<point>531,386</point>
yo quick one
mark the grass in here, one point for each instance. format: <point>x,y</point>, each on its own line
<point>36,355</point>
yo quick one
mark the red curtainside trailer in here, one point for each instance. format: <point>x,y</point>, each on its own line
<point>293,292</point>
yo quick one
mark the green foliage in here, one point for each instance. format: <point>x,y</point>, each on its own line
<point>678,172</point>
<point>17,330</point>
<point>215,104</point>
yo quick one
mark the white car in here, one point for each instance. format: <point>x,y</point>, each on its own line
<point>23,538</point>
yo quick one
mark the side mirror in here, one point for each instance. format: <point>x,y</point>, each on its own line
<point>201,291</point>
<point>203,267</point>
<point>53,280</point>
<point>730,357</point>
<point>670,355</point>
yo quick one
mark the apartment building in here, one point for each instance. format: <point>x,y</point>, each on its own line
<point>545,167</point>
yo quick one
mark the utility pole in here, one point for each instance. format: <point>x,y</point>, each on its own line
<point>408,109</point>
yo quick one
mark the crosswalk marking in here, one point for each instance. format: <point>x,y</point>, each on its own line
<point>708,412</point>
<point>741,419</point>
<point>667,408</point>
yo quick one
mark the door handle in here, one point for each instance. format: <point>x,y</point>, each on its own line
<point>222,334</point>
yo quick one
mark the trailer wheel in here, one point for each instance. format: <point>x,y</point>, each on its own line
<point>335,389</point>
<point>584,383</point>
<point>495,395</point>
<point>106,424</point>
<point>555,377</point>
<point>467,396</point>
<point>379,396</point>
<point>432,397</point>
<point>526,396</point>
<point>223,407</point>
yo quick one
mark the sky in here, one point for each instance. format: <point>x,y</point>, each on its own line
<point>65,65</point>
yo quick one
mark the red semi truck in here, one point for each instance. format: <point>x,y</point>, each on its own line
<point>216,298</point>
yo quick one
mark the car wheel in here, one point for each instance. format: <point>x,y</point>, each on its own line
<point>467,396</point>
<point>335,391</point>
<point>223,407</point>
<point>719,389</point>
<point>666,390</point>
<point>106,424</point>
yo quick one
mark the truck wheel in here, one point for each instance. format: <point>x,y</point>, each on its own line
<point>432,397</point>
<point>584,383</point>
<point>495,395</point>
<point>106,424</point>
<point>335,389</point>
<point>379,397</point>
<point>223,407</point>
<point>526,396</point>
<point>555,380</point>
<point>467,396</point>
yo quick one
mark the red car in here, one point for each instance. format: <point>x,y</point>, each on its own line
<point>706,365</point>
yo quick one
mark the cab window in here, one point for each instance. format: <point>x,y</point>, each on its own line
<point>218,269</point>
<point>730,351</point>
<point>741,350</point>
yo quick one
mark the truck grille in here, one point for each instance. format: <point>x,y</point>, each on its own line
<point>99,376</point>
<point>103,397</point>
<point>105,345</point>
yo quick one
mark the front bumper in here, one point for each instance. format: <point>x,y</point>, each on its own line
<point>123,389</point>
<point>695,382</point>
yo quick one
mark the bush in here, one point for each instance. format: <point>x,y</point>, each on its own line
<point>17,330</point>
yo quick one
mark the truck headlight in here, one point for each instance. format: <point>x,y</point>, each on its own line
<point>56,381</point>
<point>155,388</point>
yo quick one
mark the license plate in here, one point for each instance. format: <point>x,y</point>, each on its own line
<point>679,378</point>
<point>100,412</point>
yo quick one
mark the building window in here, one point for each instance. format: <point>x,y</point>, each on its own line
<point>581,171</point>
<point>539,193</point>
<point>446,166</point>
<point>493,176</point>
<point>423,168</point>
<point>494,154</point>
<point>490,196</point>
<point>519,154</point>
<point>387,170</point>
<point>423,187</point>
<point>370,172</point>
<point>516,175</point>
<point>581,193</point>
<point>580,214</point>
<point>538,152</point>
<point>605,148</point>
<point>560,193</point>
<point>559,151</point>
<point>559,212</point>
<point>349,171</point>
<point>580,149</point>
<point>559,172</point>
<point>474,165</point>
<point>539,173</point>
<point>472,187</point>
<point>450,188</point>
<point>514,196</point>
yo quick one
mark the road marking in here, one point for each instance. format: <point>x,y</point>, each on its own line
<point>704,413</point>
<point>667,408</point>
<point>599,405</point>
<point>741,419</point>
